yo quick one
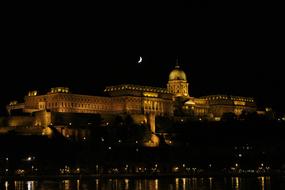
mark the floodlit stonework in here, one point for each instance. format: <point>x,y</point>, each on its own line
<point>133,100</point>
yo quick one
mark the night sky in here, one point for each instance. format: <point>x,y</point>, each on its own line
<point>222,52</point>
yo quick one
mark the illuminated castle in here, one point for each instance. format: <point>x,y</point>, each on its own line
<point>134,100</point>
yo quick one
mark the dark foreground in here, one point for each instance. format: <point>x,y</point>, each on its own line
<point>187,152</point>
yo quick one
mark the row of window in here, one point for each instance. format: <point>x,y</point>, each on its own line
<point>135,88</point>
<point>70,98</point>
<point>230,98</point>
<point>73,105</point>
<point>78,111</point>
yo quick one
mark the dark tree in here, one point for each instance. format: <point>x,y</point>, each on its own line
<point>229,116</point>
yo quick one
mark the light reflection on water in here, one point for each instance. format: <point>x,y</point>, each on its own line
<point>233,183</point>
<point>264,183</point>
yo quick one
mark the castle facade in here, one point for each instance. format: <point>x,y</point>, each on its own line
<point>133,100</point>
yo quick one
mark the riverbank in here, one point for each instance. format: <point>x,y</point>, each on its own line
<point>133,176</point>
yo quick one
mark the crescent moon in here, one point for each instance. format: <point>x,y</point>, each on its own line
<point>140,60</point>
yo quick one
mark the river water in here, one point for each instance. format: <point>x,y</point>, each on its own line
<point>231,183</point>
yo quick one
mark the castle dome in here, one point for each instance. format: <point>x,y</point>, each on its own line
<point>177,74</point>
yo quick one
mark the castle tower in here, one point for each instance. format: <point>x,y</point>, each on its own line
<point>177,83</point>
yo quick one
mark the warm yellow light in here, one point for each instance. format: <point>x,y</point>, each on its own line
<point>47,131</point>
<point>60,89</point>
<point>177,183</point>
<point>12,103</point>
<point>217,118</point>
<point>150,94</point>
<point>32,93</point>
<point>239,103</point>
